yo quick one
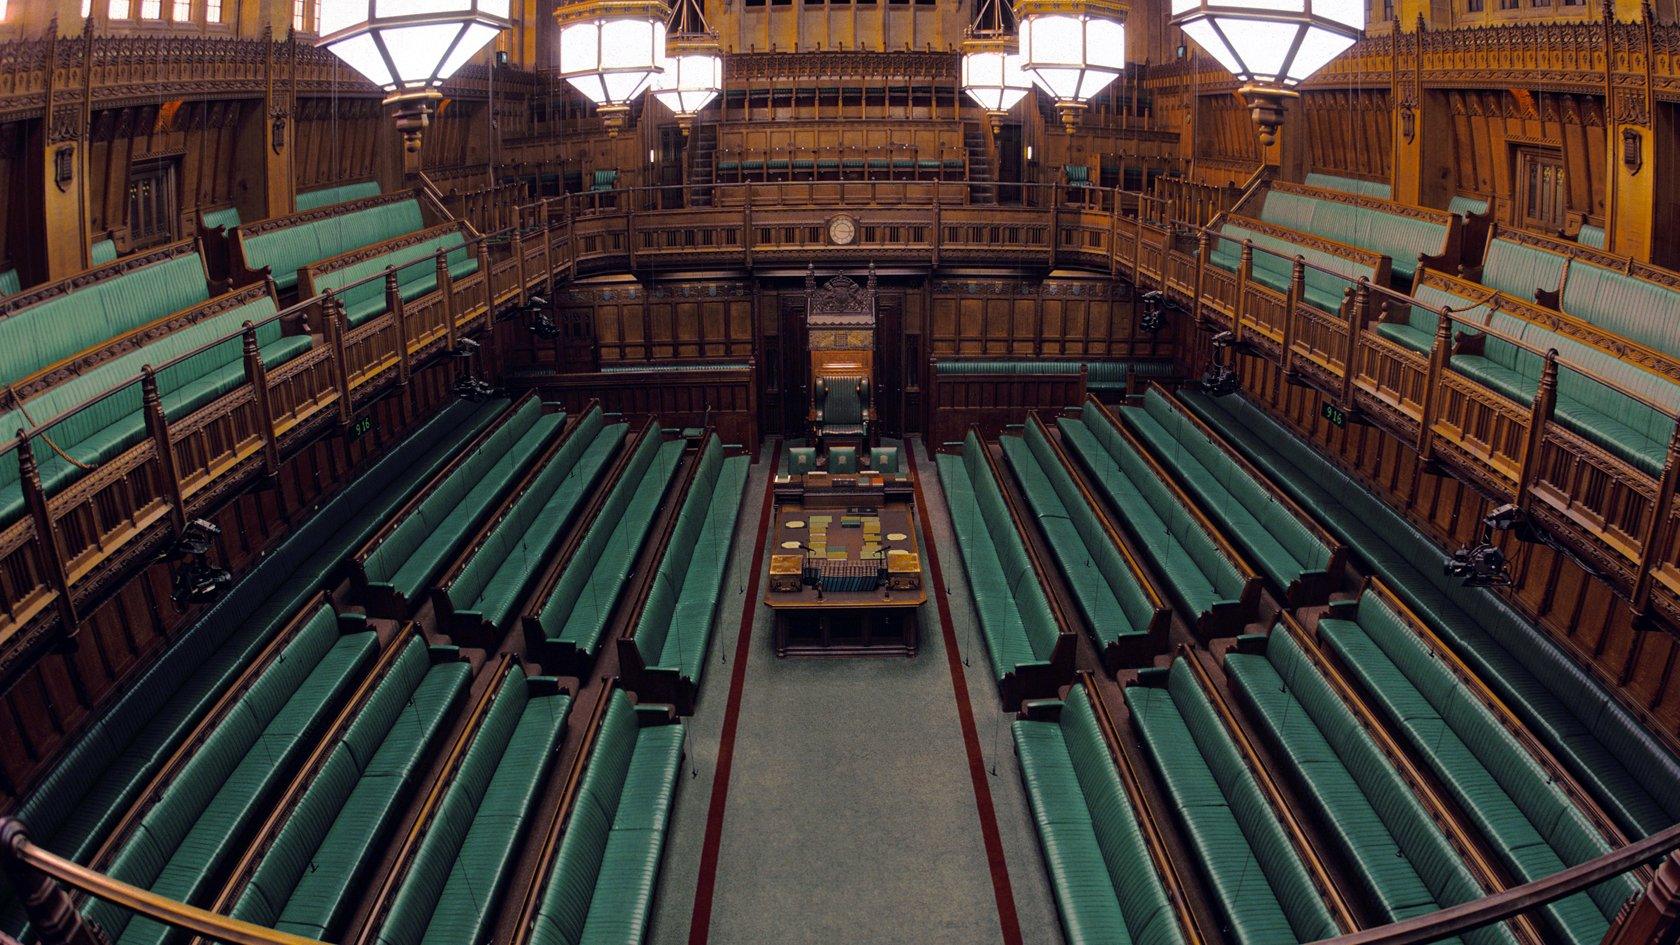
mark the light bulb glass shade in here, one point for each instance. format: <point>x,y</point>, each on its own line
<point>409,45</point>
<point>611,61</point>
<point>1072,56</point>
<point>995,79</point>
<point>1271,42</point>
<point>689,82</point>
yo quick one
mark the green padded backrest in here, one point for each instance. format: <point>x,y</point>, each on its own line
<point>1037,620</point>
<point>654,624</point>
<point>288,249</point>
<point>224,218</point>
<point>843,401</point>
<point>10,284</point>
<point>1508,355</point>
<point>1591,236</point>
<point>1653,424</point>
<point>413,263</point>
<point>102,251</point>
<point>1437,297</point>
<point>1465,205</point>
<point>571,885</point>
<point>379,713</point>
<point>1143,899</point>
<point>1623,305</point>
<point>1351,185</point>
<point>1519,269</point>
<point>340,193</point>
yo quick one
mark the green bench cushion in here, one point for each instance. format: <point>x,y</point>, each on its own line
<point>1181,551</point>
<point>10,283</point>
<point>1265,529</point>
<point>416,269</point>
<point>495,577</point>
<point>223,218</point>
<point>337,194</point>
<point>1258,880</point>
<point>1623,305</point>
<point>286,250</point>
<point>582,601</point>
<point>1518,269</point>
<point>1399,237</point>
<point>1015,616</point>
<point>1630,774</point>
<point>1114,603</point>
<point>85,792</point>
<point>1350,185</point>
<point>1274,267</point>
<point>466,858</point>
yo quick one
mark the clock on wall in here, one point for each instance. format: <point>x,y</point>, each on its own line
<point>842,230</point>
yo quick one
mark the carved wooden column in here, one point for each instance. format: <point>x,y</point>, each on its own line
<point>1244,268</point>
<point>1657,527</point>
<point>1539,414</point>
<point>1297,284</point>
<point>1202,249</point>
<point>62,152</point>
<point>332,317</point>
<point>394,302</point>
<point>157,427</point>
<point>1356,324</point>
<point>1653,918</point>
<point>53,915</point>
<point>51,543</point>
<point>446,298</point>
<point>1431,394</point>
<point>256,373</point>
<point>490,284</point>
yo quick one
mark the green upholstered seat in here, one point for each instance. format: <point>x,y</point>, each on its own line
<point>1258,882</point>
<point>603,179</point>
<point>1267,531</point>
<point>108,416</point>
<point>1350,185</point>
<point>801,460</point>
<point>1078,175</point>
<point>416,268</point>
<point>224,218</point>
<point>1101,873</point>
<point>85,792</point>
<point>1405,864</point>
<point>1417,332</point>
<point>1623,304</point>
<point>337,194</point>
<point>204,816</point>
<point>1200,574</point>
<point>1532,825</point>
<point>1629,773</point>
<point>1519,269</point>
<point>466,859</point>
<point>580,605</point>
<point>676,623</point>
<point>1273,265</point>
<point>1015,617</point>
<point>1114,603</point>
<point>1466,205</point>
<point>10,284</point>
<point>884,459</point>
<point>102,252</point>
<point>601,887</point>
<point>313,871</point>
<point>1624,426</point>
<point>409,558</point>
<point>287,249</point>
<point>842,405</point>
<point>495,577</point>
<point>1590,235</point>
<point>1400,237</point>
<point>843,459</point>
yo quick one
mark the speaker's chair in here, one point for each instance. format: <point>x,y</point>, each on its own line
<point>842,414</point>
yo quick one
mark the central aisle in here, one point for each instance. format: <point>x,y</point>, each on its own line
<point>850,814</point>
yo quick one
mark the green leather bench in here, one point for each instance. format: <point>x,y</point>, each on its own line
<point>1532,825</point>
<point>313,868</point>
<point>603,179</point>
<point>285,249</point>
<point>1274,265</point>
<point>466,859</point>
<point>1629,772</point>
<point>1406,865</point>
<point>1627,428</point>
<point>1350,185</point>
<point>1110,594</point>
<point>1019,628</point>
<point>1296,559</point>
<point>10,283</point>
<point>113,419</point>
<point>1206,581</point>
<point>202,819</point>
<point>337,194</point>
<point>81,798</point>
<point>416,267</point>
<point>1466,205</point>
<point>675,627</point>
<point>405,562</point>
<point>1417,331</point>
<point>1520,268</point>
<point>1077,175</point>
<point>573,617</point>
<point>601,887</point>
<point>1590,235</point>
<point>1103,877</point>
<point>1623,304</point>
<point>495,577</point>
<point>1257,879</point>
<point>1404,237</point>
<point>102,252</point>
<point>224,218</point>
<point>1105,376</point>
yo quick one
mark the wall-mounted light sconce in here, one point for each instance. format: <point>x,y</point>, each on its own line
<point>64,167</point>
<point>1029,152</point>
<point>1408,123</point>
<point>1633,154</point>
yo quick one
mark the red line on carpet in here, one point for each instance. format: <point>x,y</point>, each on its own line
<point>1001,891</point>
<point>700,922</point>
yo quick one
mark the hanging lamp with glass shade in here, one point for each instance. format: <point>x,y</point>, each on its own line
<point>409,47</point>
<point>1271,45</point>
<point>611,51</point>
<point>693,74</point>
<point>1072,50</point>
<point>991,61</point>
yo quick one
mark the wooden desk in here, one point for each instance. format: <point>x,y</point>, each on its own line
<point>845,570</point>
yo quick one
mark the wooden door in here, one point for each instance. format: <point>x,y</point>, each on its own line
<point>890,368</point>
<point>787,350</point>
